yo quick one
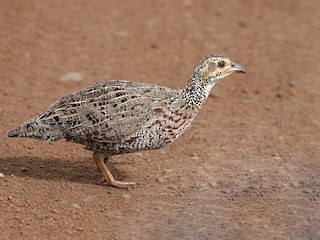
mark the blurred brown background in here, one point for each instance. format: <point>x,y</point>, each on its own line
<point>249,166</point>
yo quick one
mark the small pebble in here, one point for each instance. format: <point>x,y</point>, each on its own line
<point>160,180</point>
<point>71,77</point>
<point>23,169</point>
<point>126,196</point>
<point>295,184</point>
<point>76,205</point>
<point>213,184</point>
<point>168,170</point>
<point>1,175</point>
<point>276,156</point>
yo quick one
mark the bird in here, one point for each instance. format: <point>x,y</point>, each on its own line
<point>121,116</point>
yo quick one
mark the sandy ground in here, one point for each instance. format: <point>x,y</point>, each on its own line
<point>247,168</point>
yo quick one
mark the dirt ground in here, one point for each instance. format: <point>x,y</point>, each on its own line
<point>247,168</point>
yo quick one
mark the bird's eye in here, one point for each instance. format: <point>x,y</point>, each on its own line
<point>221,64</point>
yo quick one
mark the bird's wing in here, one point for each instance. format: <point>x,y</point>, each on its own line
<point>106,112</point>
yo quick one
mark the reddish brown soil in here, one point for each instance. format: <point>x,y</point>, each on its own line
<point>248,167</point>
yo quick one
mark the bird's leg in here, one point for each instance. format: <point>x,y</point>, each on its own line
<point>100,160</point>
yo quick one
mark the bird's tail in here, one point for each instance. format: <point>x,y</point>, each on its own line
<point>34,128</point>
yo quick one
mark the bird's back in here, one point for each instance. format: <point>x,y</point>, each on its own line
<point>106,112</point>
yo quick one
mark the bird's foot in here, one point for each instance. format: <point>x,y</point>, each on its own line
<point>118,184</point>
<point>108,178</point>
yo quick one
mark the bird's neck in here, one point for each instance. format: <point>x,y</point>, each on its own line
<point>195,93</point>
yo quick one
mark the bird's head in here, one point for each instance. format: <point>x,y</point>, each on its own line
<point>210,70</point>
<point>214,67</point>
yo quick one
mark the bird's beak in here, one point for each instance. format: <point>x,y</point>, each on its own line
<point>235,67</point>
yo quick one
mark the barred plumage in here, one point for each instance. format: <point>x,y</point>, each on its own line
<point>118,116</point>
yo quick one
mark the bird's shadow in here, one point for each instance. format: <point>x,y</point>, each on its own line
<point>82,170</point>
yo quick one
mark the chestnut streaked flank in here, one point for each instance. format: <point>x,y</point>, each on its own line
<point>117,116</point>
